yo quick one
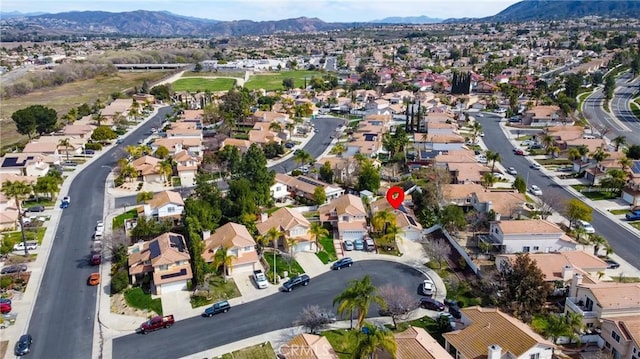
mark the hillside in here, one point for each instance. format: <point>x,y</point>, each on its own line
<point>407,20</point>
<point>560,10</point>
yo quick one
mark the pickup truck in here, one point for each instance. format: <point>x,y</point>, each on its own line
<point>156,323</point>
<point>260,278</point>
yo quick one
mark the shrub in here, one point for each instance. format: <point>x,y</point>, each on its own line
<point>5,282</point>
<point>119,181</point>
<point>93,146</point>
<point>119,282</point>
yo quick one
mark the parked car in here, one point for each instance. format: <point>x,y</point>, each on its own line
<point>155,323</point>
<point>89,152</point>
<point>70,163</point>
<point>96,259</point>
<point>301,280</point>
<point>23,346</point>
<point>512,171</point>
<point>518,151</point>
<point>289,145</point>
<point>31,245</point>
<point>611,264</point>
<point>633,215</point>
<point>427,287</point>
<point>219,307</point>
<point>260,279</point>
<point>535,190</point>
<point>94,279</point>
<point>358,245</point>
<point>431,304</point>
<point>348,245</point>
<point>330,317</point>
<point>64,205</point>
<point>586,226</point>
<point>35,209</point>
<point>455,311</point>
<point>66,199</point>
<point>5,307</point>
<point>15,268</point>
<point>342,262</point>
<point>5,300</point>
<point>535,166</point>
<point>449,316</point>
<point>370,244</point>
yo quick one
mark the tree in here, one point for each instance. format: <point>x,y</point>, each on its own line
<point>275,127</point>
<point>489,179</point>
<point>452,218</point>
<point>619,141</point>
<point>381,219</point>
<point>317,231</point>
<point>369,177</point>
<point>223,259</point>
<point>598,242</point>
<point>230,156</point>
<point>120,120</point>
<point>274,234</point>
<point>577,210</point>
<point>65,142</point>
<point>523,286</point>
<point>47,185</point>
<point>253,167</point>
<point>98,118</point>
<point>313,319</point>
<point>476,129</point>
<point>162,152</point>
<point>103,133</point>
<point>520,184</point>
<point>374,340</point>
<point>162,92</point>
<point>398,302</point>
<point>18,191</point>
<point>35,118</point>
<point>438,251</point>
<point>616,180</point>
<point>358,296</point>
<point>609,87</point>
<point>166,169</point>
<point>493,157</point>
<point>288,83</point>
<point>326,172</point>
<point>143,197</point>
<point>302,157</point>
<point>633,152</point>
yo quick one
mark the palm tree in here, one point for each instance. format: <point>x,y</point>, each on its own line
<point>65,142</point>
<point>476,128</point>
<point>598,242</point>
<point>166,169</point>
<point>626,163</point>
<point>380,220</point>
<point>98,118</point>
<point>316,231</point>
<point>274,234</point>
<point>392,233</point>
<point>129,172</point>
<point>574,154</point>
<point>275,127</point>
<point>291,245</point>
<point>134,151</point>
<point>493,157</point>
<point>302,157</point>
<point>224,260</point>
<point>18,191</point>
<point>374,340</point>
<point>261,242</point>
<point>489,179</point>
<point>358,296</point>
<point>619,141</point>
<point>598,156</point>
<point>547,140</point>
<point>143,197</point>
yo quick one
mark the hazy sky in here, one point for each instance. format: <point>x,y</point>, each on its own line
<point>259,10</point>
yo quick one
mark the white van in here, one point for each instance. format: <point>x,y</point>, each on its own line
<point>370,245</point>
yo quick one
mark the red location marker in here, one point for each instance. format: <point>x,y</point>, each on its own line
<point>395,196</point>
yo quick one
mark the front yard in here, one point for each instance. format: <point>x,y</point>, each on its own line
<point>282,264</point>
<point>260,351</point>
<point>593,192</point>
<point>215,290</point>
<point>328,252</point>
<point>32,234</point>
<point>137,298</point>
<point>118,221</point>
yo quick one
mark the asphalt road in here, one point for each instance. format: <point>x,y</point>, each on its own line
<point>625,243</point>
<point>274,312</point>
<point>64,313</point>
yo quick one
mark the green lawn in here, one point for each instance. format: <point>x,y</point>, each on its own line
<point>619,211</point>
<point>41,201</point>
<point>635,109</point>
<point>260,351</point>
<point>202,84</point>
<point>328,253</point>
<point>118,221</point>
<point>282,265</point>
<point>342,341</point>
<point>213,74</point>
<point>273,80</point>
<point>218,290</point>
<point>553,161</point>
<point>32,234</point>
<point>595,195</point>
<point>136,298</point>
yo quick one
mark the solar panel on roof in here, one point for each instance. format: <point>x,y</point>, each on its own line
<point>182,272</point>
<point>177,242</point>
<point>11,161</point>
<point>413,223</point>
<point>635,167</point>
<point>309,181</point>
<point>154,248</point>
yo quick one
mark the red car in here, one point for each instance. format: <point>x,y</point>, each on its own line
<point>96,259</point>
<point>5,307</point>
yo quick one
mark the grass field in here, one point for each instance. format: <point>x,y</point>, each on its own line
<point>260,351</point>
<point>63,98</point>
<point>201,84</point>
<point>214,74</point>
<point>273,80</point>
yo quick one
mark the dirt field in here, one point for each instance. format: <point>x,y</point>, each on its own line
<point>64,97</point>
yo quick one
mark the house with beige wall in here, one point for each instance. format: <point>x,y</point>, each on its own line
<point>529,236</point>
<point>293,224</point>
<point>239,244</point>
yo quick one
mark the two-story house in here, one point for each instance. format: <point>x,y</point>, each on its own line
<point>303,186</point>
<point>239,244</point>
<point>148,169</point>
<point>165,205</point>
<point>490,333</point>
<point>293,224</point>
<point>622,336</point>
<point>165,258</point>
<point>529,236</point>
<point>187,168</point>
<point>19,164</point>
<point>347,214</point>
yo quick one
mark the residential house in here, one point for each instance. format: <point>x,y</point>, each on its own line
<point>377,107</point>
<point>187,168</point>
<point>596,302</point>
<point>460,194</point>
<point>177,144</point>
<point>303,186</point>
<point>308,346</point>
<point>598,171</point>
<point>631,191</point>
<point>415,343</point>
<point>505,204</point>
<point>9,220</point>
<point>540,116</point>
<point>41,148</point>
<point>279,190</point>
<point>344,168</point>
<point>467,172</point>
<point>261,134</point>
<point>78,131</point>
<point>293,224</point>
<point>18,164</point>
<point>529,236</point>
<point>148,168</point>
<point>410,228</point>
<point>622,336</point>
<point>76,145</point>
<point>490,333</point>
<point>165,205</point>
<point>185,130</point>
<point>242,145</point>
<point>143,98</point>
<point>117,106</point>
<point>271,116</point>
<point>239,244</point>
<point>348,215</point>
<point>165,258</point>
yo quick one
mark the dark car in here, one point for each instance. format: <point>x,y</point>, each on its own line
<point>454,310</point>
<point>70,163</point>
<point>96,259</point>
<point>219,307</point>
<point>5,308</point>
<point>5,301</point>
<point>89,152</point>
<point>611,264</point>
<point>289,145</point>
<point>64,204</point>
<point>341,263</point>
<point>633,215</point>
<point>14,269</point>
<point>431,304</point>
<point>23,346</point>
<point>295,282</point>
<point>35,209</point>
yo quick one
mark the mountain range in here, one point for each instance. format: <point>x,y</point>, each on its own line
<point>167,24</point>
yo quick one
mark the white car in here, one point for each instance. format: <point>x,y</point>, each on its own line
<point>427,287</point>
<point>66,199</point>
<point>535,166</point>
<point>588,228</point>
<point>535,190</point>
<point>260,279</point>
<point>31,245</point>
<point>100,226</point>
<point>512,171</point>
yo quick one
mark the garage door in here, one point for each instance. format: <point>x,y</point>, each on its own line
<point>303,246</point>
<point>243,268</point>
<point>352,235</point>
<point>173,287</point>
